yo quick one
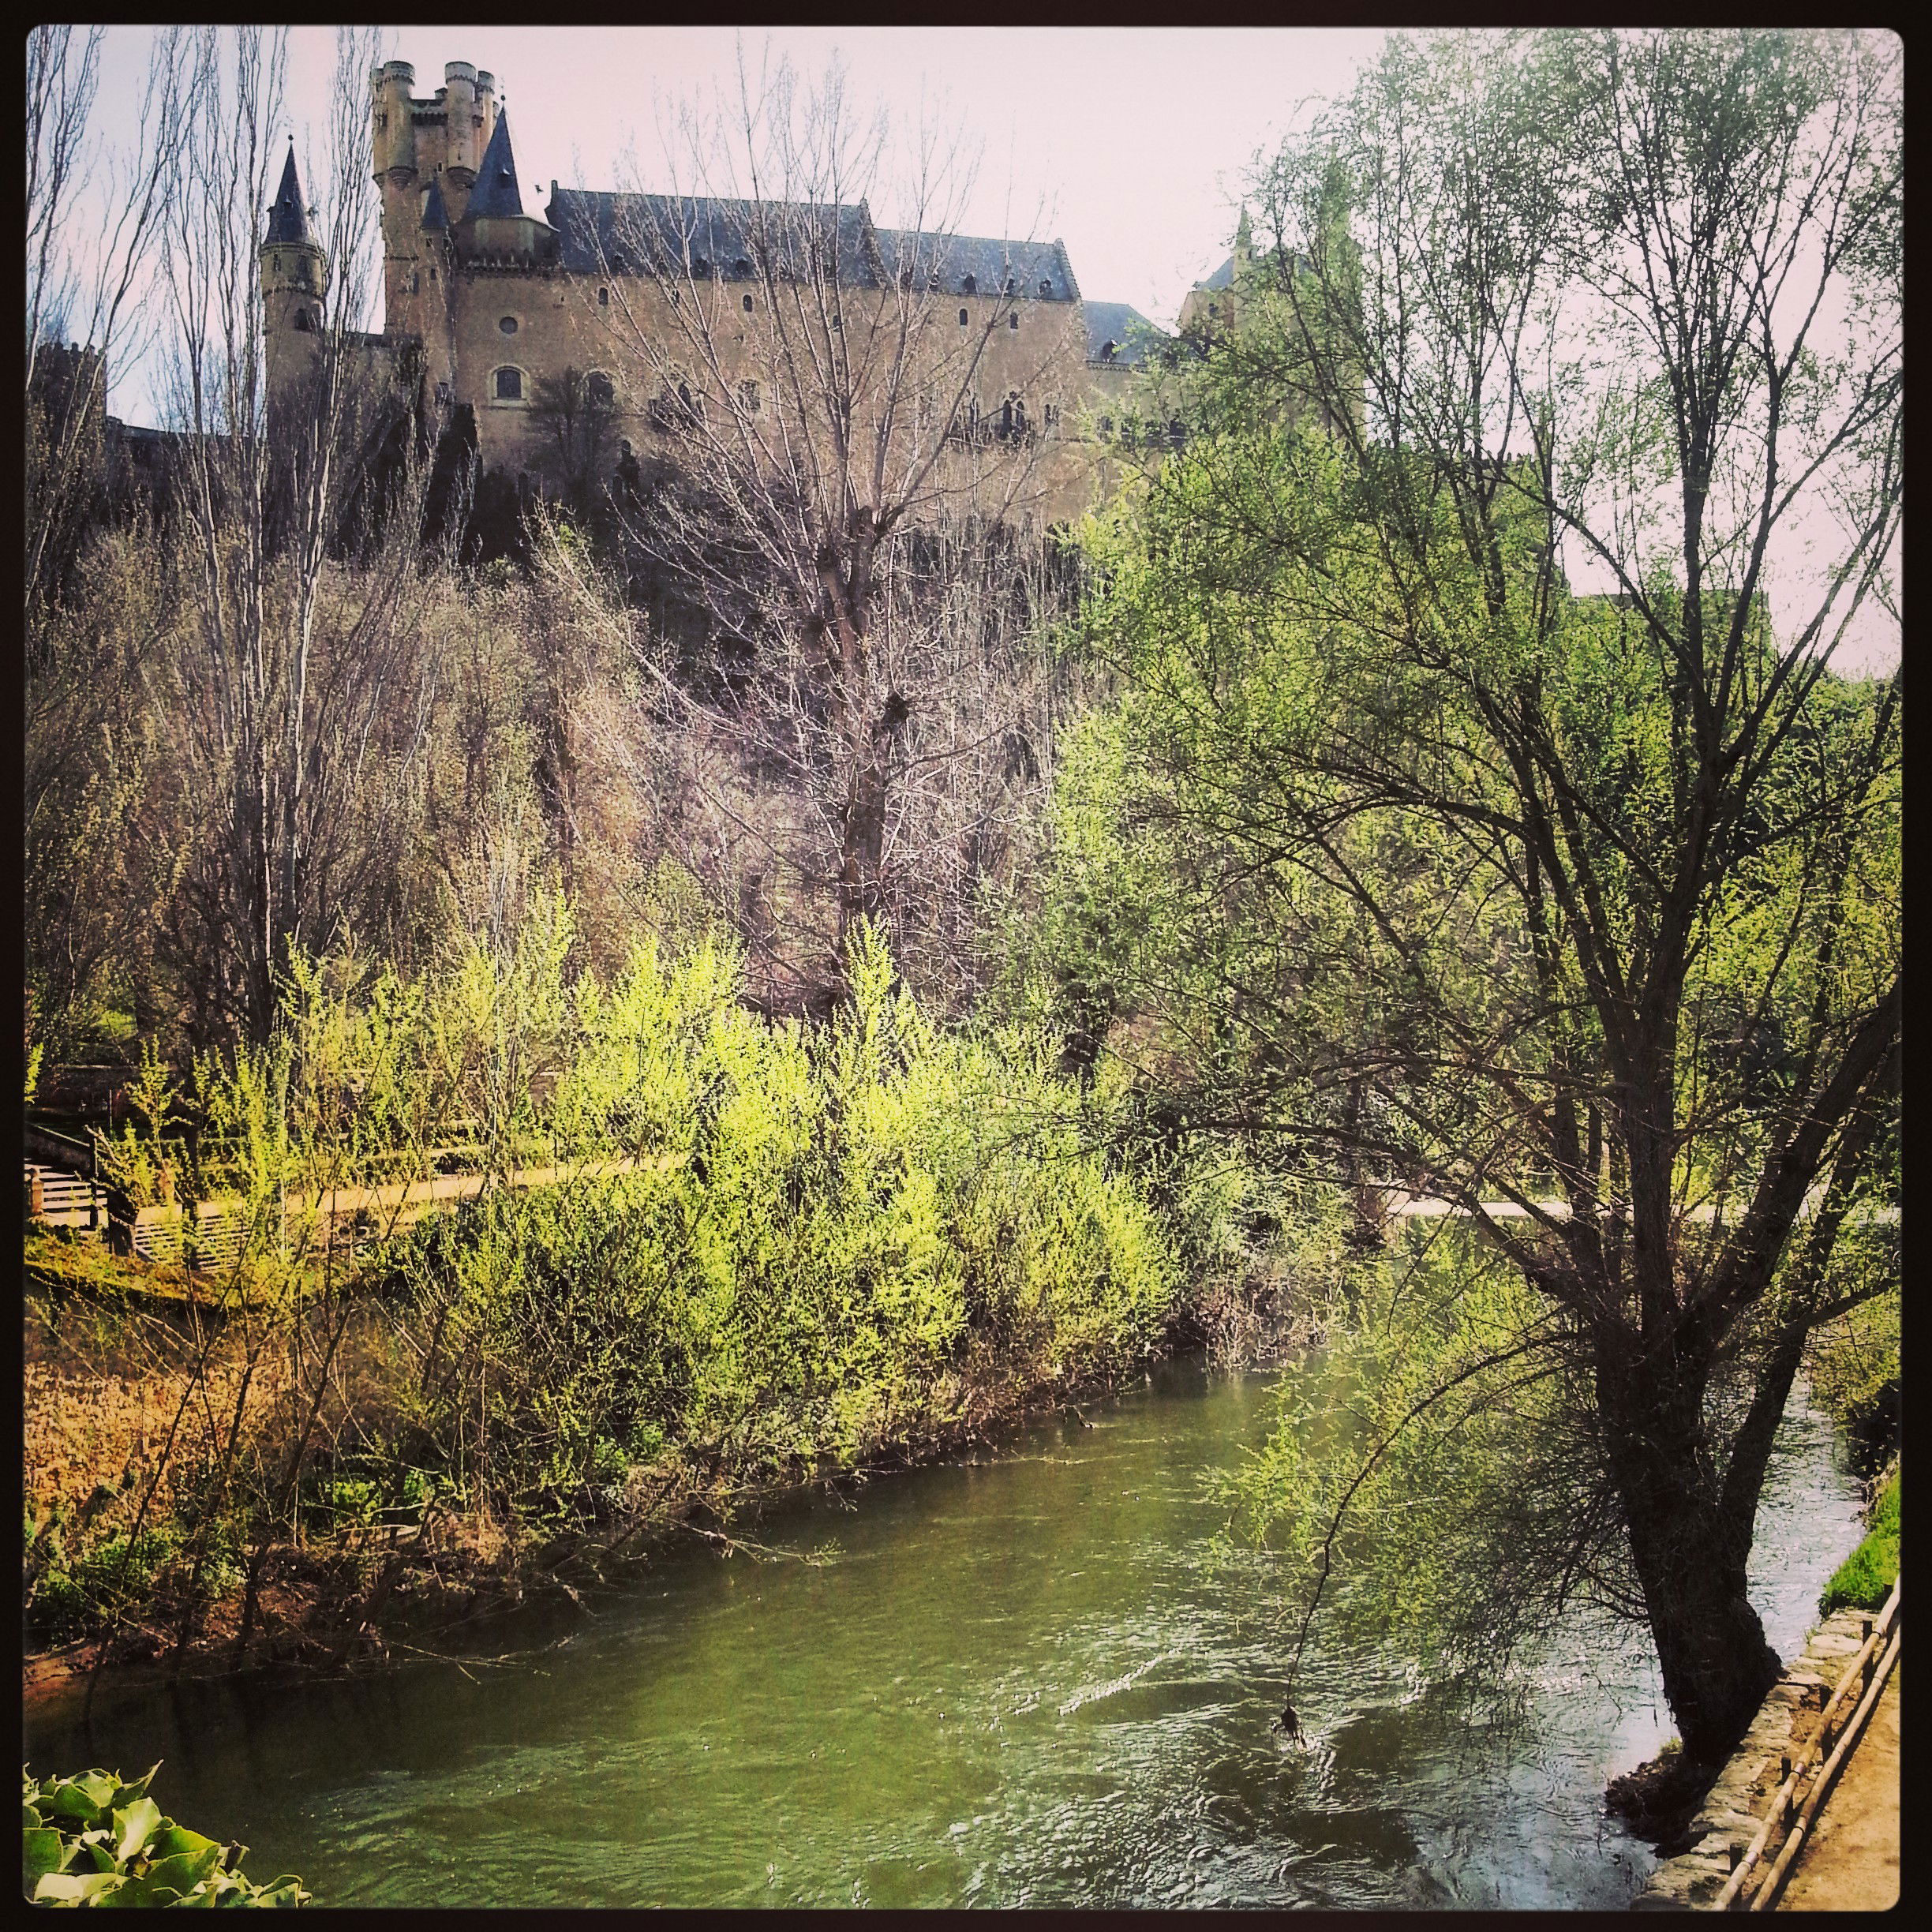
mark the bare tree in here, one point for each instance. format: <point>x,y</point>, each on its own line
<point>818,401</point>
<point>87,276</point>
<point>273,485</point>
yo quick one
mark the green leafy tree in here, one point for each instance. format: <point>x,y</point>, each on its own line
<point>1583,905</point>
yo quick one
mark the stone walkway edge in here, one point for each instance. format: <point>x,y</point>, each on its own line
<point>1732,1811</point>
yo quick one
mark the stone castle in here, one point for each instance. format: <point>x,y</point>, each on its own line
<point>487,305</point>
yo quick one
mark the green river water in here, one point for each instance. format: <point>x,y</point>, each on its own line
<point>1021,1681</point>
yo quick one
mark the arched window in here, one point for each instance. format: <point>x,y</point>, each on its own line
<point>507,326</point>
<point>599,391</point>
<point>507,386</point>
<point>303,325</point>
<point>970,285</point>
<point>747,305</point>
<point>603,298</point>
<point>962,318</point>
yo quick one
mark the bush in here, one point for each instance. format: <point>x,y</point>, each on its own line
<point>1855,1376</point>
<point>818,1227</point>
<point>1864,1580</point>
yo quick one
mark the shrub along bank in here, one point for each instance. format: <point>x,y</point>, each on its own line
<point>821,1249</point>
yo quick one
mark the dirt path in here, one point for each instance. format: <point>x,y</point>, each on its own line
<point>1851,1863</point>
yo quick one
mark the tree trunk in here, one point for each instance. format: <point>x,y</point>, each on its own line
<point>1691,1561</point>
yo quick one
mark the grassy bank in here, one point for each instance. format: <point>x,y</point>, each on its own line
<point>829,1249</point>
<point>1864,1580</point>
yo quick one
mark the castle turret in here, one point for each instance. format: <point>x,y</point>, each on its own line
<point>294,284</point>
<point>493,227</point>
<point>462,125</point>
<point>392,151</point>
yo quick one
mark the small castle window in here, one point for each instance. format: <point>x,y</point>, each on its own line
<point>599,390</point>
<point>445,395</point>
<point>748,395</point>
<point>1053,415</point>
<point>603,298</point>
<point>962,318</point>
<point>432,278</point>
<point>509,385</point>
<point>1107,426</point>
<point>382,124</point>
<point>970,285</point>
<point>1045,287</point>
<point>303,325</point>
<point>747,305</point>
<point>1013,321</point>
<point>508,325</point>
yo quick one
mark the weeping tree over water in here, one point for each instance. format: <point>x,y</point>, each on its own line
<point>1586,903</point>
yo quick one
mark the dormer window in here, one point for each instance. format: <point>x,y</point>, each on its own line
<point>1012,288</point>
<point>742,266</point>
<point>970,285</point>
<point>700,266</point>
<point>1106,351</point>
<point>1046,287</point>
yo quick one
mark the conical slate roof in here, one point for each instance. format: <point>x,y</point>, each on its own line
<point>288,220</point>
<point>495,190</point>
<point>435,214</point>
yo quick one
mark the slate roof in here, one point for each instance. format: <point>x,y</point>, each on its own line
<point>495,190</point>
<point>435,215</point>
<point>1222,277</point>
<point>1133,336</point>
<point>988,259</point>
<point>288,220</point>
<point>598,228</point>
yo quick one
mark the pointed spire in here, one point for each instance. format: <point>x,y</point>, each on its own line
<point>288,220</point>
<point>495,190</point>
<point>435,215</point>
<point>1243,238</point>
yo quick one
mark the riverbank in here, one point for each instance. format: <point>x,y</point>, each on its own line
<point>381,1594</point>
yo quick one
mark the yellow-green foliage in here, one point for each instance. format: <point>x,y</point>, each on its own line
<point>816,1226</point>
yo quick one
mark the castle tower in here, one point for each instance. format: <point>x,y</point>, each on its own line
<point>415,145</point>
<point>294,284</point>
